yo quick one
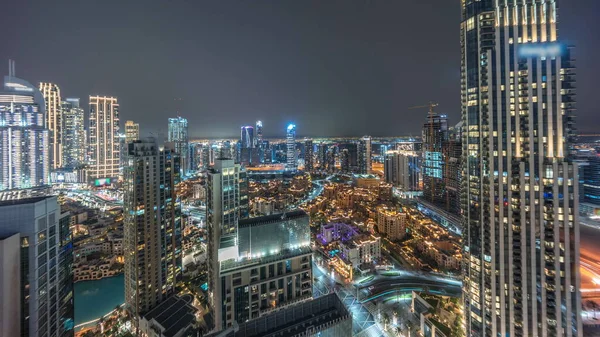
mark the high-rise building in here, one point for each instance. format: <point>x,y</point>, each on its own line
<point>152,225</point>
<point>54,123</point>
<point>452,154</point>
<point>132,131</point>
<point>435,134</point>
<point>392,223</point>
<point>226,203</point>
<point>178,135</point>
<point>364,155</point>
<point>247,137</point>
<point>308,155</point>
<point>36,237</point>
<point>291,163</point>
<point>24,141</point>
<point>73,131</point>
<point>322,155</point>
<point>104,141</point>
<point>403,169</point>
<point>345,161</point>
<point>259,134</point>
<point>519,189</point>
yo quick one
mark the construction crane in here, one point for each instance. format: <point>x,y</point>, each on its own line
<point>431,105</point>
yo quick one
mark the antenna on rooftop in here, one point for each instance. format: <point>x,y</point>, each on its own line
<point>11,68</point>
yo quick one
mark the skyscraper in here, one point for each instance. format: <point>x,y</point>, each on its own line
<point>152,225</point>
<point>54,123</point>
<point>435,134</point>
<point>132,131</point>
<point>24,141</point>
<point>104,137</point>
<point>259,134</point>
<point>364,155</point>
<point>247,137</point>
<point>178,134</point>
<point>73,130</point>
<point>520,193</point>
<point>226,203</point>
<point>291,163</point>
<point>345,161</point>
<point>36,235</point>
<point>308,155</point>
<point>403,169</point>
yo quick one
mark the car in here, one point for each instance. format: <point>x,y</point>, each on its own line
<point>371,288</point>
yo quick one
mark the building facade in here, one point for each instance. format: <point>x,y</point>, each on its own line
<point>132,131</point>
<point>104,145</point>
<point>435,134</point>
<point>178,135</point>
<point>152,225</point>
<point>73,131</point>
<point>291,163</point>
<point>45,288</point>
<point>364,155</point>
<point>392,223</point>
<point>226,203</point>
<point>403,169</point>
<point>54,123</point>
<point>519,192</point>
<point>24,141</point>
<point>309,156</point>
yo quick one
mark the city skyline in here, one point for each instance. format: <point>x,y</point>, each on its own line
<point>372,86</point>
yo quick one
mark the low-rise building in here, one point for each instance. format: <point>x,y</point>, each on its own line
<point>361,249</point>
<point>391,222</point>
<point>174,317</point>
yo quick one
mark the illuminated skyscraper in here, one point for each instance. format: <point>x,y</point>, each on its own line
<point>132,131</point>
<point>178,134</point>
<point>226,203</point>
<point>73,133</point>
<point>259,134</point>
<point>435,135</point>
<point>104,137</point>
<point>54,123</point>
<point>308,155</point>
<point>152,225</point>
<point>24,141</point>
<point>520,192</point>
<point>403,169</point>
<point>364,155</point>
<point>291,163</point>
<point>247,137</point>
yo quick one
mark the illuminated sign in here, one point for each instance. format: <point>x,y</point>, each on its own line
<point>102,182</point>
<point>540,49</point>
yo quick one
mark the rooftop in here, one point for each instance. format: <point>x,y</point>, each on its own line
<point>295,214</point>
<point>173,314</point>
<point>295,320</point>
<point>231,265</point>
<point>23,201</point>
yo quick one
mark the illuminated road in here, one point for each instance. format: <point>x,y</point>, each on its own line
<point>590,260</point>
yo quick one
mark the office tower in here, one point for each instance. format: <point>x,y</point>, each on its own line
<point>435,134</point>
<point>403,169</point>
<point>290,138</point>
<point>364,155</point>
<point>325,316</point>
<point>104,141</point>
<point>73,131</point>
<point>308,155</point>
<point>452,175</point>
<point>331,154</point>
<point>345,161</point>
<point>259,134</point>
<point>54,123</point>
<point>24,141</point>
<point>247,137</point>
<point>520,195</point>
<point>178,135</point>
<point>132,131</point>
<point>226,203</point>
<point>36,236</point>
<point>205,156</point>
<point>152,225</point>
<point>322,155</point>
<point>591,192</point>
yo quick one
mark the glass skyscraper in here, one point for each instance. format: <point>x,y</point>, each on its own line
<point>519,192</point>
<point>54,123</point>
<point>104,144</point>
<point>291,163</point>
<point>73,131</point>
<point>24,140</point>
<point>178,135</point>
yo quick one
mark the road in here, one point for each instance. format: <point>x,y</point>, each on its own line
<point>590,260</point>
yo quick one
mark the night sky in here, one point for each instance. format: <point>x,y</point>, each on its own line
<point>334,68</point>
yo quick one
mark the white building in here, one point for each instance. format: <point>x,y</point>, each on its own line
<point>104,144</point>
<point>362,249</point>
<point>392,223</point>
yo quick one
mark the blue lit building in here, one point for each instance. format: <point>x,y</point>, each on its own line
<point>291,163</point>
<point>435,134</point>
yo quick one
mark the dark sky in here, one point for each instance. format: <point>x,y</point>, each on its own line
<point>333,67</point>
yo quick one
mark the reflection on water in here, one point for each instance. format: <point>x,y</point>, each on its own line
<point>94,299</point>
